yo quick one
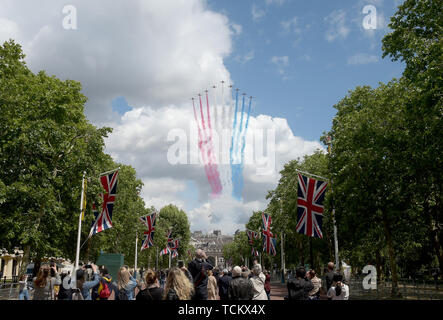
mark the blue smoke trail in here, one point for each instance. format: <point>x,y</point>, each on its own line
<point>237,167</point>
<point>244,134</point>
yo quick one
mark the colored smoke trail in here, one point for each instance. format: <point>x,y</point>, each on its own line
<point>202,151</point>
<point>237,165</point>
<point>211,155</point>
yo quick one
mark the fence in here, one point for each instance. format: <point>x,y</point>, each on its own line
<point>411,289</point>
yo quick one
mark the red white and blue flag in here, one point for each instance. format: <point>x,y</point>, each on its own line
<point>174,253</point>
<point>149,222</point>
<point>103,220</point>
<point>251,236</point>
<point>310,197</point>
<point>254,252</point>
<point>269,242</point>
<point>165,251</point>
<point>173,245</point>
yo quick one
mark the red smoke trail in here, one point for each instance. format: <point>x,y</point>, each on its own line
<point>212,160</point>
<point>214,180</point>
<point>200,146</point>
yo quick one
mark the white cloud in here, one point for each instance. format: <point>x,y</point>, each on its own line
<point>236,28</point>
<point>291,25</point>
<point>256,12</point>
<point>246,57</point>
<point>281,62</point>
<point>337,28</point>
<point>362,58</point>
<point>276,2</point>
<point>151,52</point>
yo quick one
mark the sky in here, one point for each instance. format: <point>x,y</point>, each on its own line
<point>140,62</point>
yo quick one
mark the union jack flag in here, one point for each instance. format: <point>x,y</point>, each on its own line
<point>103,220</point>
<point>254,252</point>
<point>173,244</point>
<point>269,242</point>
<point>165,251</point>
<point>310,197</point>
<point>174,253</point>
<point>251,236</point>
<point>149,221</point>
<point>169,236</point>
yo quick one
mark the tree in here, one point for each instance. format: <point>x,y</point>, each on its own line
<point>46,143</point>
<point>417,39</point>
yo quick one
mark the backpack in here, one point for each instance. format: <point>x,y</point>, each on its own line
<point>122,295</point>
<point>77,295</point>
<point>104,293</point>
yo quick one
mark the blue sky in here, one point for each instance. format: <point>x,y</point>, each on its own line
<point>318,72</point>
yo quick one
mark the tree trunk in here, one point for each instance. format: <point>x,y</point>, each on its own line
<point>25,260</point>
<point>392,257</point>
<point>378,265</point>
<point>435,237</point>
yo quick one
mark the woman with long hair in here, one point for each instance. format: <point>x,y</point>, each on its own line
<point>152,290</point>
<point>125,285</point>
<point>23,289</point>
<point>212,286</point>
<point>86,286</point>
<point>44,283</point>
<point>178,286</point>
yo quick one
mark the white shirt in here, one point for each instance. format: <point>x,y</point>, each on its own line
<point>344,295</point>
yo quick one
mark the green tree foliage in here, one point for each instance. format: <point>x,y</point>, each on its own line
<point>46,143</point>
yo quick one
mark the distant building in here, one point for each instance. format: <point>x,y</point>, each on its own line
<point>10,263</point>
<point>212,244</point>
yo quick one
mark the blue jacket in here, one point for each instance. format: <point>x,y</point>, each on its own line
<point>129,289</point>
<point>88,285</point>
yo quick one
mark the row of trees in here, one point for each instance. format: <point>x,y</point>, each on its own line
<point>385,164</point>
<point>46,143</point>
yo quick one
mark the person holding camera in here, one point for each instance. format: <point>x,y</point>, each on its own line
<point>300,286</point>
<point>45,281</point>
<point>338,289</point>
<point>198,268</point>
<point>85,286</point>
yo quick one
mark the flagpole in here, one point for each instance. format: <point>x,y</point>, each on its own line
<point>337,260</point>
<point>77,254</point>
<point>283,267</point>
<point>110,171</point>
<point>169,259</point>
<point>136,253</point>
<point>156,259</point>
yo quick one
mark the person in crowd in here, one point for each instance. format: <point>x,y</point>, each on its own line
<point>23,293</point>
<point>178,286</point>
<point>223,284</point>
<point>152,290</point>
<point>183,268</point>
<point>299,287</point>
<point>104,289</point>
<point>125,285</point>
<point>240,288</point>
<point>338,289</point>
<point>86,286</point>
<point>258,280</point>
<point>329,275</point>
<point>198,268</point>
<point>314,294</point>
<point>245,272</point>
<point>65,292</point>
<point>44,283</point>
<point>212,286</point>
<point>268,284</point>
